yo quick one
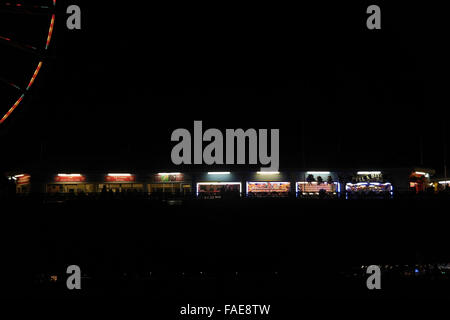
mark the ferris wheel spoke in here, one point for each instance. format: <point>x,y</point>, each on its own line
<point>25,9</point>
<point>22,12</point>
<point>17,45</point>
<point>10,84</point>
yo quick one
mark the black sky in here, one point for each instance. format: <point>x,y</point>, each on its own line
<point>341,95</point>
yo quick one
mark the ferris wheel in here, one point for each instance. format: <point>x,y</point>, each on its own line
<point>26,28</point>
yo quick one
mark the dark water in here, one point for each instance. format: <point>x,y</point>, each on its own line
<point>219,249</point>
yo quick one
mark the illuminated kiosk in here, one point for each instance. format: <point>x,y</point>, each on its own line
<point>369,183</point>
<point>366,187</point>
<point>120,182</point>
<point>314,188</point>
<point>312,182</point>
<point>169,182</point>
<point>268,188</point>
<point>23,183</point>
<point>443,185</point>
<point>268,184</point>
<point>70,183</point>
<point>419,181</point>
<point>216,190</point>
<point>217,185</point>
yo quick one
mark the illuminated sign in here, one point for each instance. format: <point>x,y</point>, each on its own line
<point>72,177</point>
<point>369,176</point>
<point>120,177</point>
<point>364,173</point>
<point>169,177</point>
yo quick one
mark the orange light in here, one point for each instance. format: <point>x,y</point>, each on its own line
<point>34,75</point>
<point>50,32</point>
<point>12,109</point>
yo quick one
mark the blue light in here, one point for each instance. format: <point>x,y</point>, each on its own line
<point>416,270</point>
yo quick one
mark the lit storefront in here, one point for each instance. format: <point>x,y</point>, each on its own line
<point>268,184</point>
<point>268,188</point>
<point>218,184</point>
<point>172,182</point>
<point>443,185</point>
<point>120,182</point>
<point>369,183</point>
<point>312,182</point>
<point>367,187</point>
<point>419,181</point>
<point>70,183</point>
<point>314,188</point>
<point>215,190</point>
<point>23,183</point>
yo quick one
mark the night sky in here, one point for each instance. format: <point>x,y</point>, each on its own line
<point>342,96</point>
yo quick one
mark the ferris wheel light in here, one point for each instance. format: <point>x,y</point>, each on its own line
<point>33,78</point>
<point>50,32</point>
<point>34,75</point>
<point>12,108</point>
